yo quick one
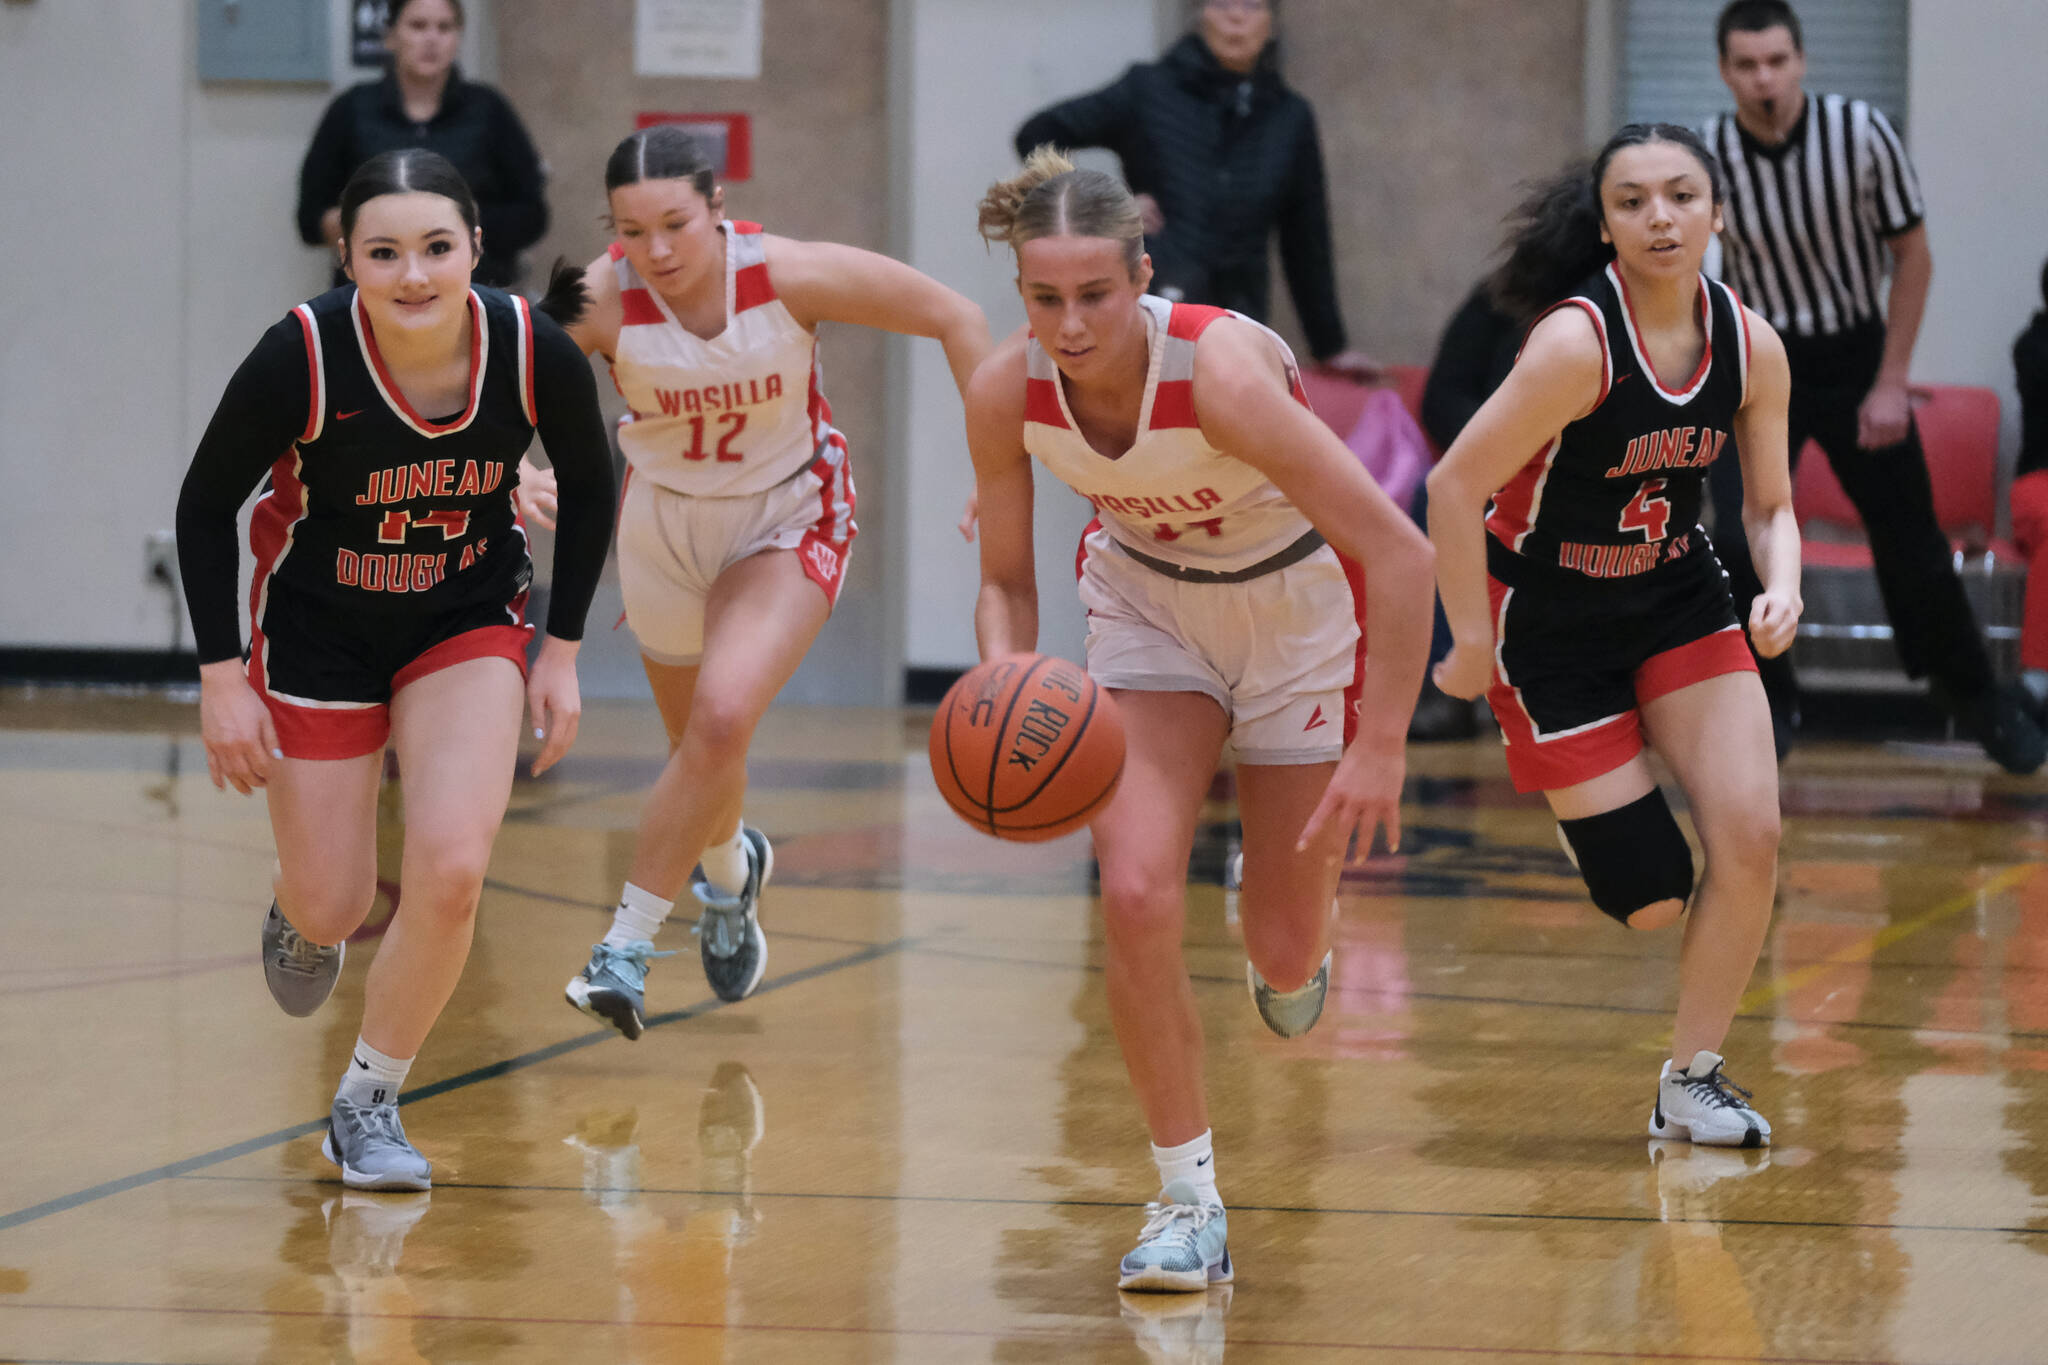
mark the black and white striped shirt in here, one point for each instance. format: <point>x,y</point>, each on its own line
<point>1806,220</point>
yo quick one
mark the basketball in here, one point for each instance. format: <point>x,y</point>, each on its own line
<point>1027,747</point>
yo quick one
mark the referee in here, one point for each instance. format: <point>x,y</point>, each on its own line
<point>1822,204</point>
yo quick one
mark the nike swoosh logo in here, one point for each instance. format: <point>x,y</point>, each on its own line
<point>363,1064</point>
<point>1206,1160</point>
<point>344,416</point>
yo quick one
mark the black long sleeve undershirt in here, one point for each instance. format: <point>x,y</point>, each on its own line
<point>263,411</point>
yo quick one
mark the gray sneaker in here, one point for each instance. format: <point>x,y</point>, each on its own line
<point>1291,1013</point>
<point>613,987</point>
<point>300,973</point>
<point>729,937</point>
<point>369,1144</point>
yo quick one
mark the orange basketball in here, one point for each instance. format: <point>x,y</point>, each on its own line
<point>1027,747</point>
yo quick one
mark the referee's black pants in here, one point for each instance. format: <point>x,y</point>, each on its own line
<point>1932,626</point>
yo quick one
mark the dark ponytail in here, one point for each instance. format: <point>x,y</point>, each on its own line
<point>568,297</point>
<point>661,152</point>
<point>410,170</point>
<point>1553,239</point>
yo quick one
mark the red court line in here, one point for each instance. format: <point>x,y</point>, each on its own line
<point>974,1333</point>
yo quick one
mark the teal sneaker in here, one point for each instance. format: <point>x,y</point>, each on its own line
<point>369,1144</point>
<point>729,937</point>
<point>1183,1247</point>
<point>1290,1013</point>
<point>613,987</point>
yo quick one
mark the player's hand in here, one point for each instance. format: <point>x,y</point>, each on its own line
<point>1465,672</point>
<point>1150,218</point>
<point>1773,621</point>
<point>970,516</point>
<point>555,700</point>
<point>240,737</point>
<point>1364,795</point>
<point>1885,416</point>
<point>535,496</point>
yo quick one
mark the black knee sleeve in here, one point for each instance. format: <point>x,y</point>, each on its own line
<point>1632,856</point>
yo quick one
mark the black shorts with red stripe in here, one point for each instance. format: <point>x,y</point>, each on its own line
<point>1575,657</point>
<point>328,677</point>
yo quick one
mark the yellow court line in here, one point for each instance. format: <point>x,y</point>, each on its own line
<point>1788,982</point>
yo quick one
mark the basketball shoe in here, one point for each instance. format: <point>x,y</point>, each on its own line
<point>300,973</point>
<point>729,937</point>
<point>1290,1013</point>
<point>1183,1247</point>
<point>1178,1329</point>
<point>613,985</point>
<point>1702,1104</point>
<point>369,1144</point>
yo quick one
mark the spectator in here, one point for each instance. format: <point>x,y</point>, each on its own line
<point>2030,500</point>
<point>1795,161</point>
<point>1221,154</point>
<point>423,101</point>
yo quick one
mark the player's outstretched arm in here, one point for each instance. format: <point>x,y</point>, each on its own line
<point>1760,437</point>
<point>1006,612</point>
<point>827,282</point>
<point>1556,380</point>
<point>1247,411</point>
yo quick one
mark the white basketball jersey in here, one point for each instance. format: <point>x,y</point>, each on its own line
<point>1172,495</point>
<point>736,414</point>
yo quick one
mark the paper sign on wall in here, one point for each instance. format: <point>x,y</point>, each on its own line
<point>697,38</point>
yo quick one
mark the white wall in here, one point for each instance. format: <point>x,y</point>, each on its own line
<point>148,226</point>
<point>963,110</point>
<point>1979,116</point>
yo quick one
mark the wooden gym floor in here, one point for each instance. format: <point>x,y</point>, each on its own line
<point>916,1142</point>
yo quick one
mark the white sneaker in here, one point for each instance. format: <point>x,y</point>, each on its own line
<point>1184,1245</point>
<point>1702,1104</point>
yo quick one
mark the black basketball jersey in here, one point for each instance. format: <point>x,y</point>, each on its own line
<point>376,507</point>
<point>1618,491</point>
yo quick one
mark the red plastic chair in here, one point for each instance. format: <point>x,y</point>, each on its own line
<point>1959,431</point>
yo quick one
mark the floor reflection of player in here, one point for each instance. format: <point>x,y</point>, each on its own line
<point>674,1271</point>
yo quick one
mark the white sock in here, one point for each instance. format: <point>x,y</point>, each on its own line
<point>372,1077</point>
<point>725,865</point>
<point>1193,1161</point>
<point>638,918</point>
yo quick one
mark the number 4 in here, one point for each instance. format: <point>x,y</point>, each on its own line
<point>1646,512</point>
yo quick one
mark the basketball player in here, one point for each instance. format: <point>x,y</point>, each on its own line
<point>1587,603</point>
<point>389,603</point>
<point>737,518</point>
<point>1216,611</point>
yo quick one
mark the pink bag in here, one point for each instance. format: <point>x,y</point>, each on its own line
<point>1391,446</point>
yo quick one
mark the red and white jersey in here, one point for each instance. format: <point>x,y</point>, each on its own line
<point>729,416</point>
<point>1172,495</point>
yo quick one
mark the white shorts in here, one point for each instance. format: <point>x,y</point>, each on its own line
<point>1279,653</point>
<point>673,547</point>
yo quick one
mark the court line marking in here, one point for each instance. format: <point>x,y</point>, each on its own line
<point>972,1333</point>
<point>1123,1206</point>
<point>1868,947</point>
<point>487,1072</point>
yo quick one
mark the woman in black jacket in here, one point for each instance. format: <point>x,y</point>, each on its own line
<point>1221,154</point>
<point>423,101</point>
